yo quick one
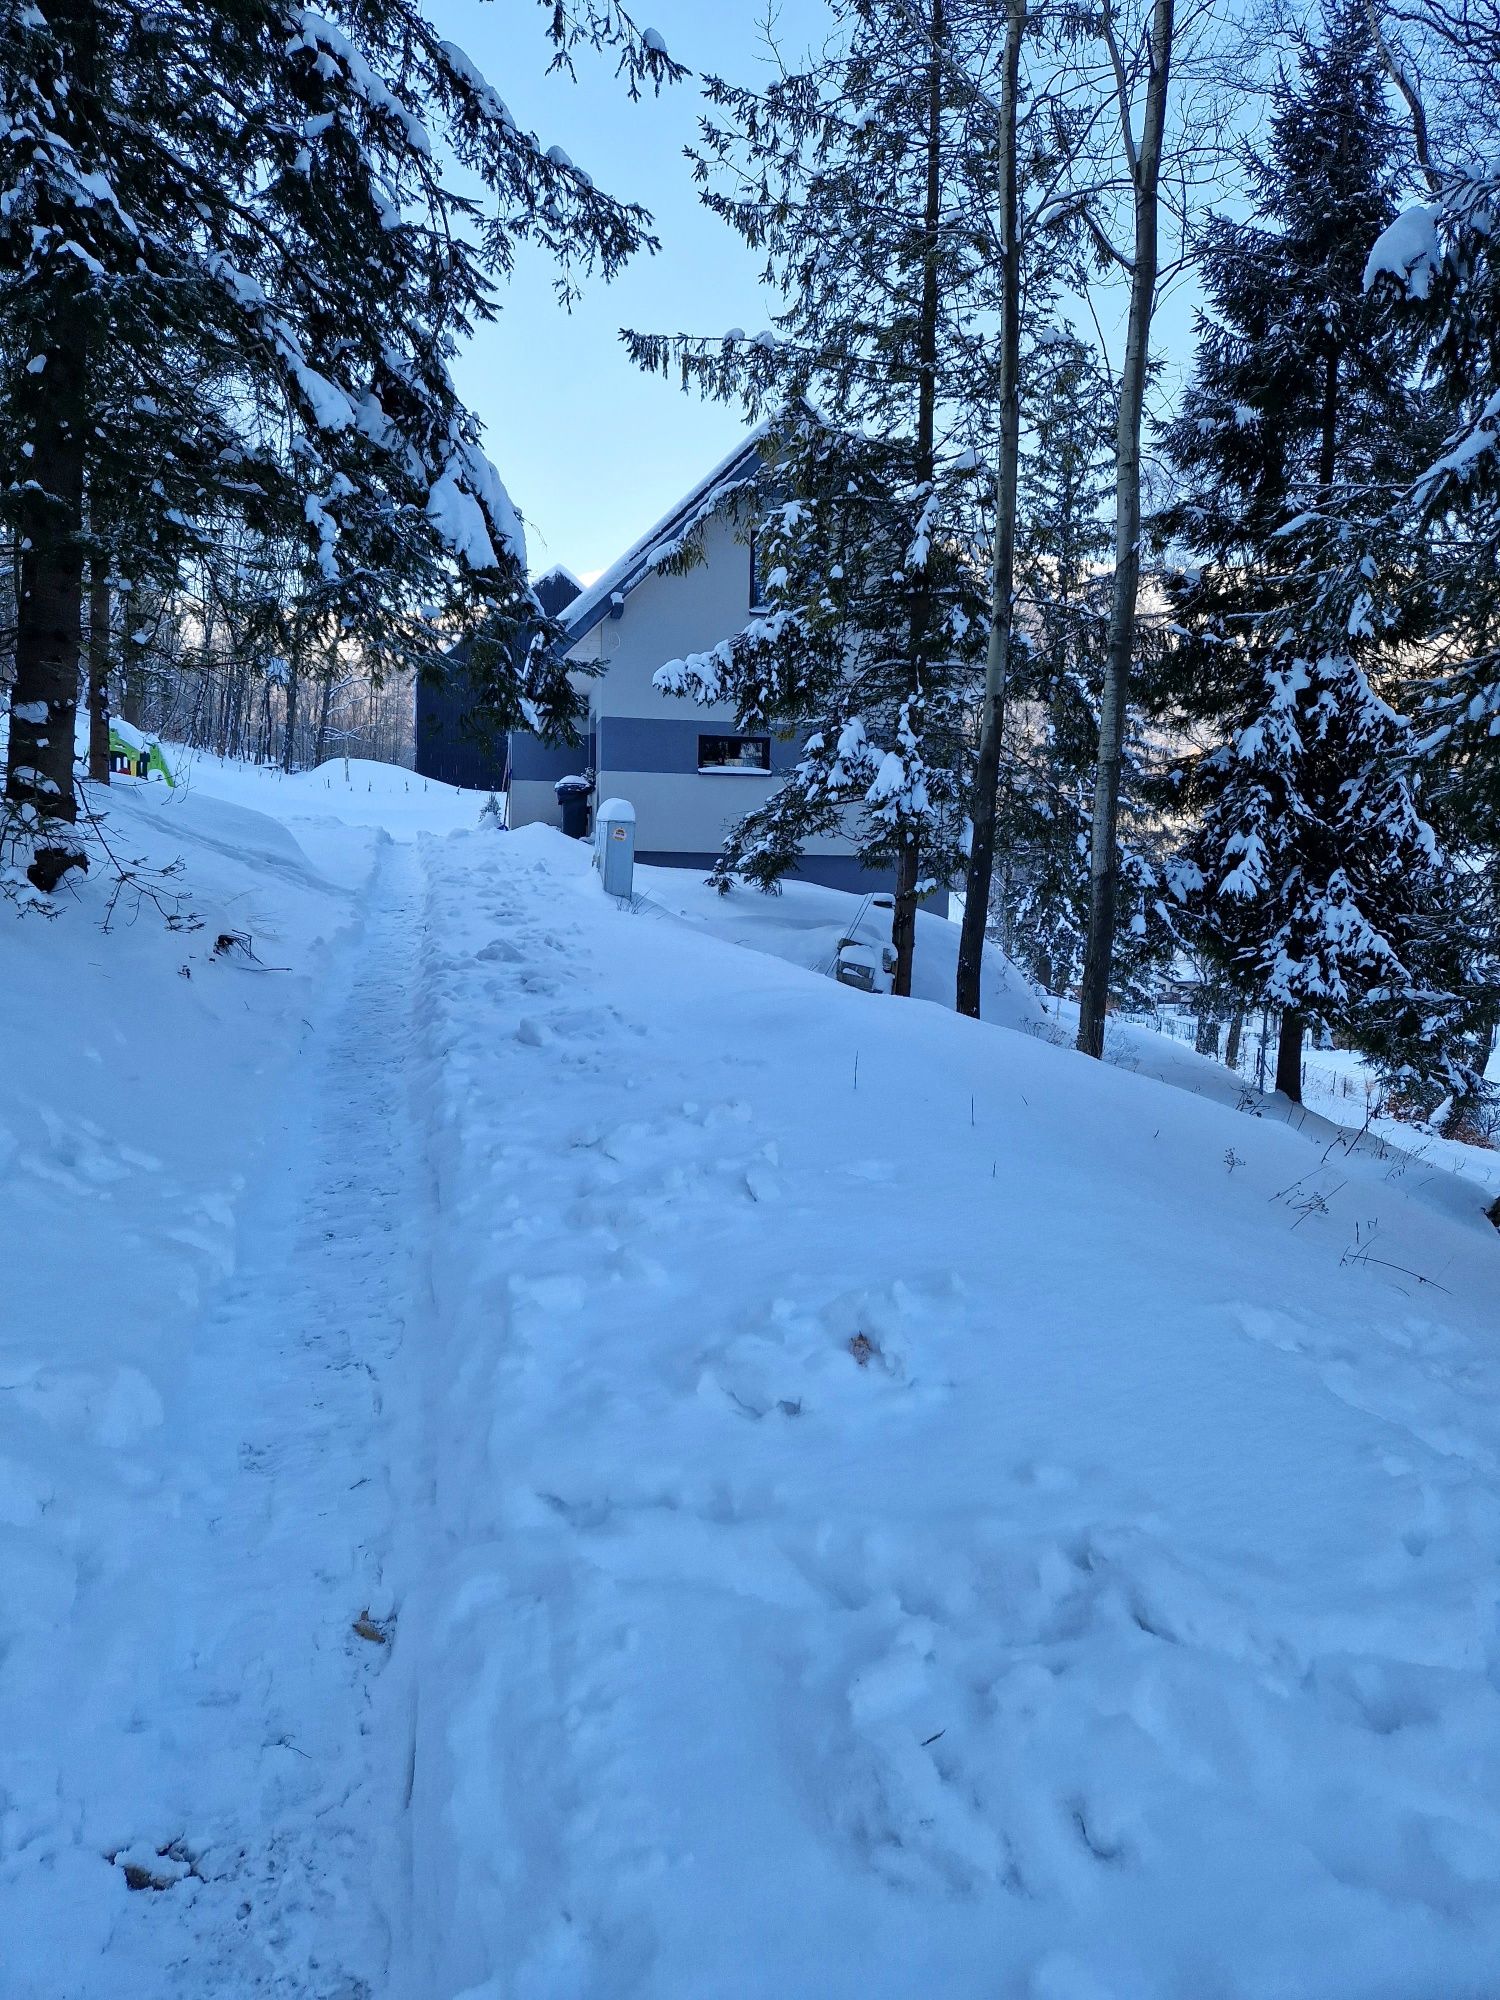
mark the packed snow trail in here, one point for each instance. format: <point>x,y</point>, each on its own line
<point>242,1777</point>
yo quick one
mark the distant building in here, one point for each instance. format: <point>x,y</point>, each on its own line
<point>449,747</point>
<point>689,771</point>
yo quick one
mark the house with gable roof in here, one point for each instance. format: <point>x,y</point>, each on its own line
<point>689,771</point>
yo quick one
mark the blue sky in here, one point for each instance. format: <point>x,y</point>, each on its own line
<point>591,450</point>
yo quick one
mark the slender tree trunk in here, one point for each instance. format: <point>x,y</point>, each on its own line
<point>203,687</point>
<point>241,732</point>
<point>904,918</point>
<point>98,671</point>
<point>289,734</point>
<point>1293,1025</point>
<point>909,855</point>
<point>1328,443</point>
<point>1289,1055</point>
<point>1104,857</point>
<point>1003,565</point>
<point>1236,1032</point>
<point>325,702</point>
<point>132,695</point>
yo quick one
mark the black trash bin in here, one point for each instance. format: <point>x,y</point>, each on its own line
<point>573,796</point>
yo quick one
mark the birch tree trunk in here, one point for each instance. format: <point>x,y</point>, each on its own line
<point>1104,859</point>
<point>909,856</point>
<point>1003,564</point>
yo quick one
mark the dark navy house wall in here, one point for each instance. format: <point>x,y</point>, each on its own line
<point>447,749</point>
<point>451,749</point>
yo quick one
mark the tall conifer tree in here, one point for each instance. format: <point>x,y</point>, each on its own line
<point>864,180</point>
<point>1317,880</point>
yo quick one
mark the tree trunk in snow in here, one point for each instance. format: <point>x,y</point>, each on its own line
<point>289,733</point>
<point>1289,1056</point>
<point>132,696</point>
<point>904,918</point>
<point>49,617</point>
<point>1003,564</point>
<point>1104,859</point>
<point>98,672</point>
<point>39,788</point>
<point>909,858</point>
<point>325,702</point>
<point>1236,1031</point>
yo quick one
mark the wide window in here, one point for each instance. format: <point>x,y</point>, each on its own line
<point>734,753</point>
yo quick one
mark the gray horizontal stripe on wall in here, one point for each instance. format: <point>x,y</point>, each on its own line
<point>826,871</point>
<point>642,743</point>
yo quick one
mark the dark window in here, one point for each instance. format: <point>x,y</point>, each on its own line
<point>757,595</point>
<point>734,753</point>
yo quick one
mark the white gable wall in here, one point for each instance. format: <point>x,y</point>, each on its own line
<point>646,740</point>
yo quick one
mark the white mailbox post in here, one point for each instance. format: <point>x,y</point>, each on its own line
<point>615,846</point>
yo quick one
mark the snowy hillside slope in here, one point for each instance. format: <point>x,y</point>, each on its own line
<point>805,924</point>
<point>350,791</point>
<point>594,1462</point>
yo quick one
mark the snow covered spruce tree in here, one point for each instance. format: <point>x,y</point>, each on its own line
<point>1062,585</point>
<point>1438,263</point>
<point>1439,260</point>
<point>247,193</point>
<point>828,657</point>
<point>864,180</point>
<point>1313,879</point>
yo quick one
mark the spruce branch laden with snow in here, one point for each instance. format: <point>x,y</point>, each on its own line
<point>242,209</point>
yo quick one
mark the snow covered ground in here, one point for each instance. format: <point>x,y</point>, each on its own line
<point>548,1456</point>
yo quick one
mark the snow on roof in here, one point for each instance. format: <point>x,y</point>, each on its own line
<point>662,541</point>
<point>562,573</point>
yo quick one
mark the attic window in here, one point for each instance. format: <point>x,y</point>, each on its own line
<point>734,753</point>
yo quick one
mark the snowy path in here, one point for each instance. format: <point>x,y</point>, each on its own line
<point>851,1506</point>
<point>255,1753</point>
